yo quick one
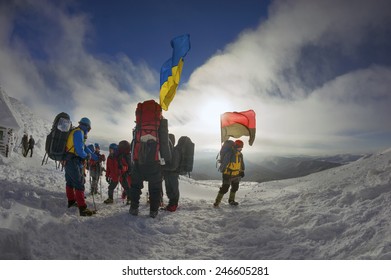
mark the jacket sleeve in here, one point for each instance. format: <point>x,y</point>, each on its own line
<point>175,161</point>
<point>87,150</point>
<point>108,169</point>
<point>123,164</point>
<point>242,167</point>
<point>78,142</point>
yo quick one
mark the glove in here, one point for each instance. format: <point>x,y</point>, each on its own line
<point>241,174</point>
<point>94,157</point>
<point>108,180</point>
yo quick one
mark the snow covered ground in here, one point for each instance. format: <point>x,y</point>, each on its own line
<point>341,213</point>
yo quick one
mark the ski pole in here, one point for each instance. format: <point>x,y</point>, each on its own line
<point>43,160</point>
<point>100,186</point>
<point>93,201</point>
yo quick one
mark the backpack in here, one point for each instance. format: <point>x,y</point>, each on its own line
<point>186,149</point>
<point>225,155</point>
<point>124,151</point>
<point>150,137</point>
<point>57,138</point>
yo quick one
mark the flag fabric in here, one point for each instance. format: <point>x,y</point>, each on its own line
<point>170,73</point>
<point>238,124</point>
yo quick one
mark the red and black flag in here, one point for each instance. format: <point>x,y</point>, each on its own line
<point>238,124</point>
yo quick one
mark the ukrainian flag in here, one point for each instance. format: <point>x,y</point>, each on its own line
<point>171,70</point>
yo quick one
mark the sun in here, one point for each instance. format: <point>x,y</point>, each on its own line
<point>210,113</point>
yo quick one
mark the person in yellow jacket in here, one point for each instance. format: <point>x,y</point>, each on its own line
<point>232,175</point>
<point>76,155</point>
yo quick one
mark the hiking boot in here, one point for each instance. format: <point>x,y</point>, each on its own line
<point>72,203</point>
<point>133,211</point>
<point>153,214</point>
<point>84,211</point>
<point>231,199</point>
<point>233,203</point>
<point>108,201</point>
<point>171,208</point>
<point>218,199</point>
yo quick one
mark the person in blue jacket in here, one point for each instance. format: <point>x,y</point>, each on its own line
<point>76,156</point>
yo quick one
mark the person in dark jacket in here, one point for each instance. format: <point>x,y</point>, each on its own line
<point>77,154</point>
<point>25,144</point>
<point>31,144</point>
<point>232,175</point>
<point>171,176</point>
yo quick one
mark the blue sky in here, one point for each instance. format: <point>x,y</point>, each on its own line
<point>317,73</point>
<point>142,29</point>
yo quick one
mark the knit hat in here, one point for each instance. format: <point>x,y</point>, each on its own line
<point>239,143</point>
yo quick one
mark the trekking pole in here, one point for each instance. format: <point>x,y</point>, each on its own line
<point>100,186</point>
<point>89,179</point>
<point>43,160</point>
<point>93,201</point>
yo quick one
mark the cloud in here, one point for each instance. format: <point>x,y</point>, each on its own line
<point>58,73</point>
<point>312,71</point>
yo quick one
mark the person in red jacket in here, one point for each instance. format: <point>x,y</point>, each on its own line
<point>117,170</point>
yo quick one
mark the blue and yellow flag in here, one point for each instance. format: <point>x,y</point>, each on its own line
<point>171,70</point>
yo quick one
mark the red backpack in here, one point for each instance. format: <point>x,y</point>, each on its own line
<point>150,137</point>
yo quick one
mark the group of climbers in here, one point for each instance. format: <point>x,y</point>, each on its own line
<point>129,170</point>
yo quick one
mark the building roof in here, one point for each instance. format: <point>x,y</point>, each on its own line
<point>7,116</point>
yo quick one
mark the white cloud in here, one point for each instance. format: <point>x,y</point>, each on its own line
<point>283,70</point>
<point>264,70</point>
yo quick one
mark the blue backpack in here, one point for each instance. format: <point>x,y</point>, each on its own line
<point>224,157</point>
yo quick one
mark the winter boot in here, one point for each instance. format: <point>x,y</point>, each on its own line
<point>231,199</point>
<point>72,203</point>
<point>133,211</point>
<point>153,214</point>
<point>171,208</point>
<point>219,197</point>
<point>108,201</point>
<point>84,211</point>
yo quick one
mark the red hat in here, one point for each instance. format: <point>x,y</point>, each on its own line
<point>239,143</point>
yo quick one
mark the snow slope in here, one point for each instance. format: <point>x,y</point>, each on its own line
<point>340,213</point>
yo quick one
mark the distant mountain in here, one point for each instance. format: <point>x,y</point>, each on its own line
<point>272,167</point>
<point>342,159</point>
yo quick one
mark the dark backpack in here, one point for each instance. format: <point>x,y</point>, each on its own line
<point>57,138</point>
<point>224,157</point>
<point>186,149</point>
<point>150,136</point>
<point>124,152</point>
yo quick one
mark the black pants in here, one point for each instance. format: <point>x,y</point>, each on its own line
<point>229,181</point>
<point>172,187</point>
<point>153,175</point>
<point>124,184</point>
<point>31,152</point>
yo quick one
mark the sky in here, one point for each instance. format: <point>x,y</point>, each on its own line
<point>317,73</point>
